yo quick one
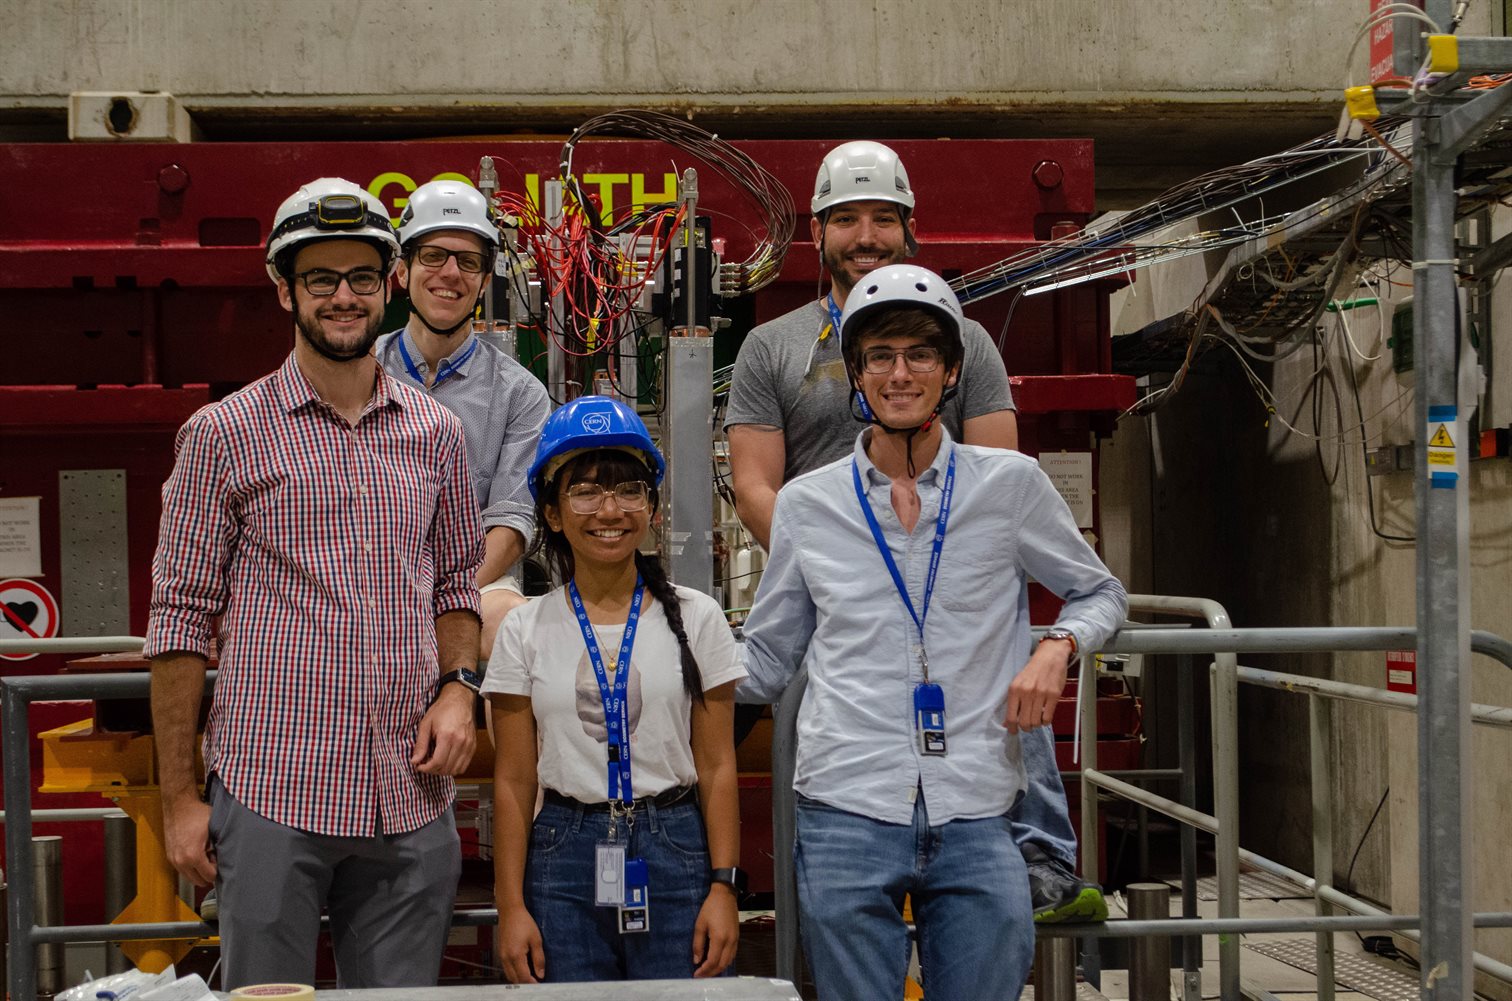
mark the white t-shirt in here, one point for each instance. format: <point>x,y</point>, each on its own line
<point>540,653</point>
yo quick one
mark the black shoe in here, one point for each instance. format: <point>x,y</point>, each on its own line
<point>1058,894</point>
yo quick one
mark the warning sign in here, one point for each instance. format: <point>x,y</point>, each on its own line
<point>1401,671</point>
<point>27,611</point>
<point>1441,434</point>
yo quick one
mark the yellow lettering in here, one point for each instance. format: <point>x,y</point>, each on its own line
<point>453,176</point>
<point>640,197</point>
<point>378,184</point>
<point>533,191</point>
<point>606,183</point>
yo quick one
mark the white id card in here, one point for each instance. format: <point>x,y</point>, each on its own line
<point>608,874</point>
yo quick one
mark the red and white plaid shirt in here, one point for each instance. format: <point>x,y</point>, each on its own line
<point>327,551</point>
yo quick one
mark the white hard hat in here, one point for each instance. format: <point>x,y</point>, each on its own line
<point>440,205</point>
<point>904,285</point>
<point>861,171</point>
<point>329,208</point>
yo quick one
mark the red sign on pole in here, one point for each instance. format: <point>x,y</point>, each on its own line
<point>1401,671</point>
<point>27,611</point>
<point>1383,39</point>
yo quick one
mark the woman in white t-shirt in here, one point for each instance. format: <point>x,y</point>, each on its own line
<point>614,695</point>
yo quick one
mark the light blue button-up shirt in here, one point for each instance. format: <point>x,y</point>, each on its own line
<point>827,602</point>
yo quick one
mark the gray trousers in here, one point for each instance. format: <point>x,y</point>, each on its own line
<point>390,899</point>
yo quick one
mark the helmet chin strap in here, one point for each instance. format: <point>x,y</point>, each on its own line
<point>867,417</point>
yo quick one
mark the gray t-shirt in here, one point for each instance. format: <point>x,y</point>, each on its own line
<point>786,378</point>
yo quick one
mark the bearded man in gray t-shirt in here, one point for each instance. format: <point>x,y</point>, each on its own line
<point>790,412</point>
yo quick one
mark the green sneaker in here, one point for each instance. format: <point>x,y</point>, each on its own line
<point>1058,894</point>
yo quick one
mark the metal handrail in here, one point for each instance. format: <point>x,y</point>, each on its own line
<point>1223,641</point>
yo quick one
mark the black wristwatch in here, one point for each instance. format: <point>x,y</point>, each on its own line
<point>471,680</point>
<point>734,877</point>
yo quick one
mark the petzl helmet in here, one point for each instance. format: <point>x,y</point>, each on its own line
<point>328,208</point>
<point>440,205</point>
<point>904,285</point>
<point>587,424</point>
<point>863,171</point>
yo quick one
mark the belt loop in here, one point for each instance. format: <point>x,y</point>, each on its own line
<point>578,813</point>
<point>651,814</point>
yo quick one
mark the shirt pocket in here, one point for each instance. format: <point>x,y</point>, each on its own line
<point>976,579</point>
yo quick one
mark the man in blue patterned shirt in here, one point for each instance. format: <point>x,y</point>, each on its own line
<point>449,243</point>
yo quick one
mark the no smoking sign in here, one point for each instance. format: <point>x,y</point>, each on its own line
<point>27,611</point>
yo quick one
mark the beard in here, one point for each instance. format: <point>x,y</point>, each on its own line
<point>839,268</point>
<point>307,322</point>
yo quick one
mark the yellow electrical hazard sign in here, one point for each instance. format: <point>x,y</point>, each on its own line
<point>1440,446</point>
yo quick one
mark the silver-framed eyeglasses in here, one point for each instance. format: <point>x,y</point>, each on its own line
<point>920,358</point>
<point>629,496</point>
<point>323,282</point>
<point>434,257</point>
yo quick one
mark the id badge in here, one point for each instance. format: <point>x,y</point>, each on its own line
<point>635,910</point>
<point>608,874</point>
<point>929,718</point>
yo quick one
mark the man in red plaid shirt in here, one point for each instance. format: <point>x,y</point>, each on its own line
<point>325,515</point>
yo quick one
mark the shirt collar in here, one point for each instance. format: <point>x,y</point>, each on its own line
<point>871,475</point>
<point>453,366</point>
<point>295,392</point>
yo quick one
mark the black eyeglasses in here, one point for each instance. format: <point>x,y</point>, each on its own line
<point>920,358</point>
<point>322,282</point>
<point>434,257</point>
<point>586,498</point>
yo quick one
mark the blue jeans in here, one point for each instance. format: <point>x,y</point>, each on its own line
<point>1042,815</point>
<point>970,895</point>
<point>583,941</point>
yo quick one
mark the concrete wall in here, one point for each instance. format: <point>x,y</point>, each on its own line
<point>1163,85</point>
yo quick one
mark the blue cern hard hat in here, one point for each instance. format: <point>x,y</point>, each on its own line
<point>586,424</point>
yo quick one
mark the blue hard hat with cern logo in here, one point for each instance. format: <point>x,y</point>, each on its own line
<point>586,424</point>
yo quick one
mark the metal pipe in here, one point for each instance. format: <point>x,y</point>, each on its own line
<point>1091,830</point>
<point>1191,948</point>
<point>1055,969</point>
<point>1320,754</point>
<point>1158,803</point>
<point>21,898</point>
<point>47,877</point>
<point>785,825</point>
<point>4,938</point>
<point>120,878</point>
<point>1485,715</point>
<point>1149,957</point>
<point>75,644</point>
<point>1252,926</point>
<point>1290,639</point>
<point>1443,586</point>
<point>1480,961</point>
<point>70,814</point>
<point>556,313</point>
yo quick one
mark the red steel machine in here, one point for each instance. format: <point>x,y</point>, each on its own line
<point>132,282</point>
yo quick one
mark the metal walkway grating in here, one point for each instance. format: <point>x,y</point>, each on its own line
<point>1352,972</point>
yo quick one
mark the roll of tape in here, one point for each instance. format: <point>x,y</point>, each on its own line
<point>285,992</point>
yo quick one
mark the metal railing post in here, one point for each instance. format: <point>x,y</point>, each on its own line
<point>1091,832</point>
<point>1150,957</point>
<point>120,879</point>
<point>21,896</point>
<point>1191,947</point>
<point>47,877</point>
<point>1055,969</point>
<point>1320,731</point>
<point>785,826</point>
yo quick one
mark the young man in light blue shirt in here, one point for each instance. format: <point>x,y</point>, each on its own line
<point>898,577</point>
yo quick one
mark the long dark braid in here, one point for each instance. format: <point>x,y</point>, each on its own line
<point>608,467</point>
<point>655,576</point>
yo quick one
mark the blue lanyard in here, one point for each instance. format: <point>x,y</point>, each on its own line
<point>616,699</point>
<point>834,312</point>
<point>934,559</point>
<point>443,371</point>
